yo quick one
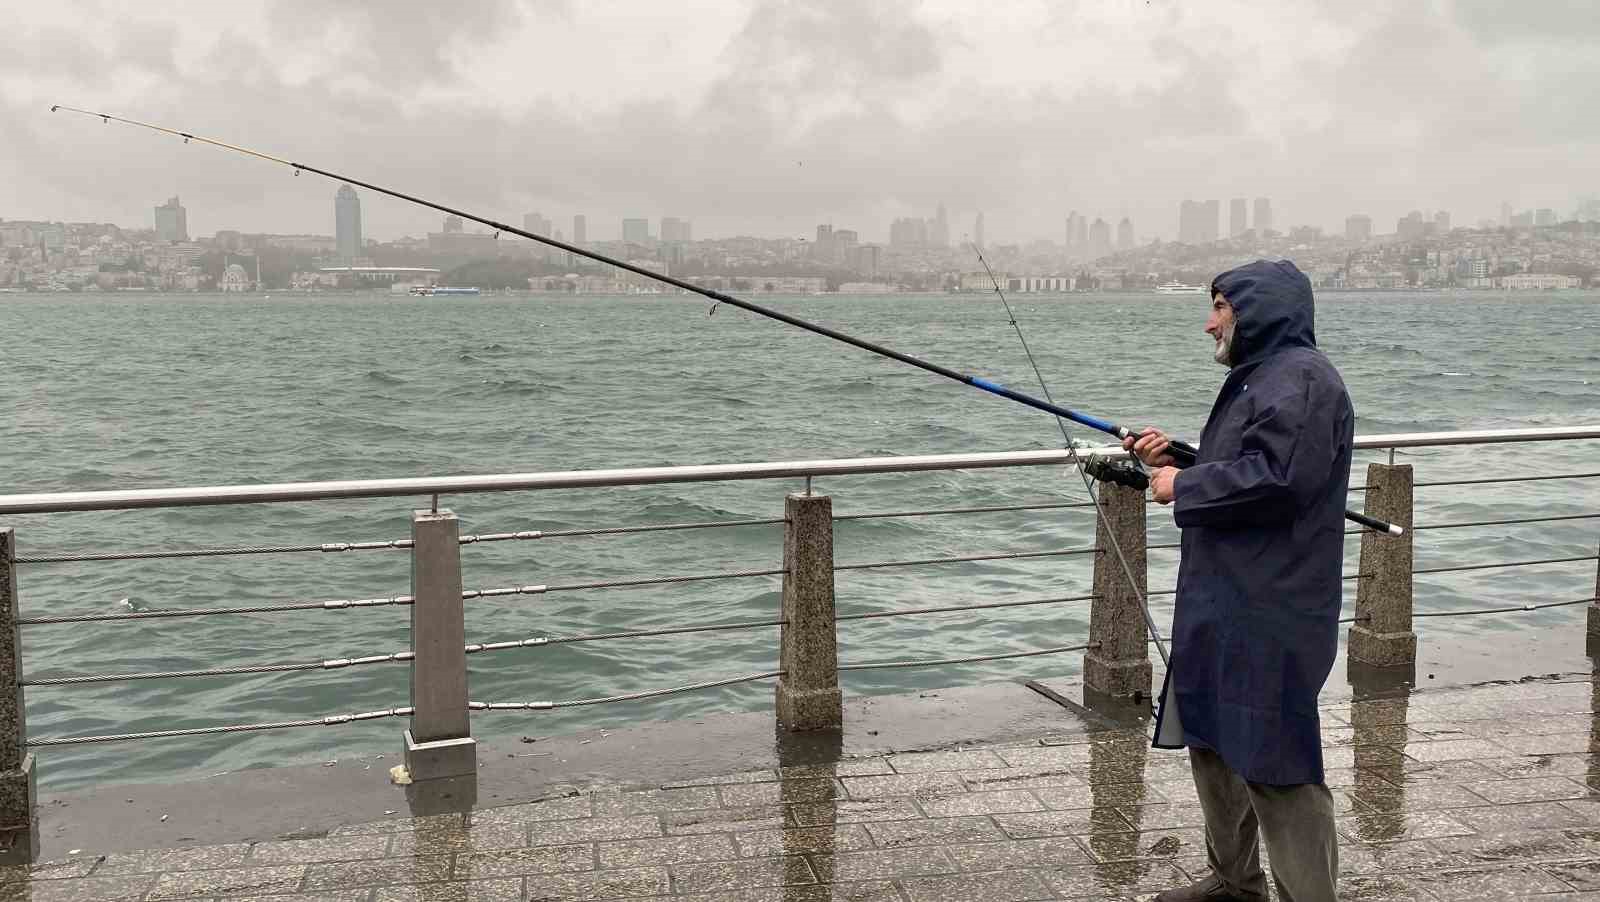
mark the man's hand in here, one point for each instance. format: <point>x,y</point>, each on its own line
<point>1162,480</point>
<point>1151,447</point>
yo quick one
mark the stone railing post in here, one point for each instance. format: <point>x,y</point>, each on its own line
<point>1382,635</point>
<point>19,823</point>
<point>439,743</point>
<point>808,692</point>
<point>1118,664</point>
<point>1594,611</point>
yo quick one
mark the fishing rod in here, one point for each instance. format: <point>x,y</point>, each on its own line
<point>1084,471</point>
<point>717,297</point>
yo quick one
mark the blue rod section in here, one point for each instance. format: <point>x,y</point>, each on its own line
<point>1076,417</point>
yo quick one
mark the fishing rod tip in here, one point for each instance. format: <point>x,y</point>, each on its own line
<point>54,107</point>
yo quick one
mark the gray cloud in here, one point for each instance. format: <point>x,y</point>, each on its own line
<point>825,110</point>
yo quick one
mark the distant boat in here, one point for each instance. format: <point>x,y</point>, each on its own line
<point>431,290</point>
<point>1176,287</point>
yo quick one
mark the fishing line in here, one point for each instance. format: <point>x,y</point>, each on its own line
<point>1077,463</point>
<point>1177,449</point>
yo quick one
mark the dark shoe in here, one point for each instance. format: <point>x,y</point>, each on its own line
<point>1210,889</point>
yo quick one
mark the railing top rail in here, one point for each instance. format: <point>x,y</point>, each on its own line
<point>54,502</point>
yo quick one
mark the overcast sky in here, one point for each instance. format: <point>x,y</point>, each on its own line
<point>767,117</point>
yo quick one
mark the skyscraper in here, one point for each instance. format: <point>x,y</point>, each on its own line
<point>1358,227</point>
<point>347,223</point>
<point>1125,234</point>
<point>172,221</point>
<point>939,234</point>
<point>1237,224</point>
<point>1441,221</point>
<point>1211,221</point>
<point>1080,234</point>
<point>537,224</point>
<point>1263,215</point>
<point>1099,239</point>
<point>580,229</point>
<point>636,231</point>
<point>674,229</point>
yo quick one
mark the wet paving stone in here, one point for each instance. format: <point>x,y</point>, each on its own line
<point>1008,886</point>
<point>726,820</point>
<point>665,850</point>
<point>1121,879</point>
<point>1487,793</point>
<point>882,864</point>
<point>1076,822</point>
<point>934,831</point>
<point>598,884</point>
<point>351,874</point>
<point>1489,883</point>
<point>557,833</point>
<point>712,876</point>
<point>786,792</point>
<point>231,855</point>
<point>228,882</point>
<point>516,862</point>
<point>1005,801</point>
<point>506,890</point>
<point>653,801</point>
<point>924,785</point>
<point>803,841</point>
<point>1534,789</point>
<point>307,851</point>
<point>1028,853</point>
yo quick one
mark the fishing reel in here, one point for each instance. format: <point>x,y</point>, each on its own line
<point>1123,473</point>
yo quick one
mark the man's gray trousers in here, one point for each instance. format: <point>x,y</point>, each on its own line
<point>1295,821</point>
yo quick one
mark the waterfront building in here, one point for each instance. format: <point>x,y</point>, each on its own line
<point>1358,227</point>
<point>1527,281</point>
<point>1263,217</point>
<point>172,221</point>
<point>868,259</point>
<point>1237,223</point>
<point>235,279</point>
<point>636,231</point>
<point>347,223</point>
<point>844,245</point>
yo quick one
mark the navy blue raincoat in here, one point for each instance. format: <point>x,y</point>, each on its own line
<point>1262,512</point>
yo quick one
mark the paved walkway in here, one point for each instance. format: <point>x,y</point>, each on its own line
<point>1484,793</point>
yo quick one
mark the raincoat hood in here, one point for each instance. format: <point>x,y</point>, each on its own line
<point>1272,309</point>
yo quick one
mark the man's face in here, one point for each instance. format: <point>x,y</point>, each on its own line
<point>1220,327</point>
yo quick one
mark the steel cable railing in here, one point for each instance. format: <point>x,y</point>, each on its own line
<point>328,721</point>
<point>976,659</point>
<point>627,697</point>
<point>338,604</point>
<point>907,612</point>
<point>934,512</point>
<point>1503,564</point>
<point>994,556</point>
<point>329,664</point>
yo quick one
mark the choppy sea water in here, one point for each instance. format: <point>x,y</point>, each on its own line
<point>113,392</point>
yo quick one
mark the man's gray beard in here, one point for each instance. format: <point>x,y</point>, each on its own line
<point>1224,351</point>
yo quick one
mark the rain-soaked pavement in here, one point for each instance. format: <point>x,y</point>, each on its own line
<point>1480,792</point>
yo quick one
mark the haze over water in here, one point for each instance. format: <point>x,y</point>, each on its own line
<point>120,392</point>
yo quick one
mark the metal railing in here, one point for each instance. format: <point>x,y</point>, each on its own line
<point>808,695</point>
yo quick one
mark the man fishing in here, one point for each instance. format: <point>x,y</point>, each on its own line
<point>1255,630</point>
